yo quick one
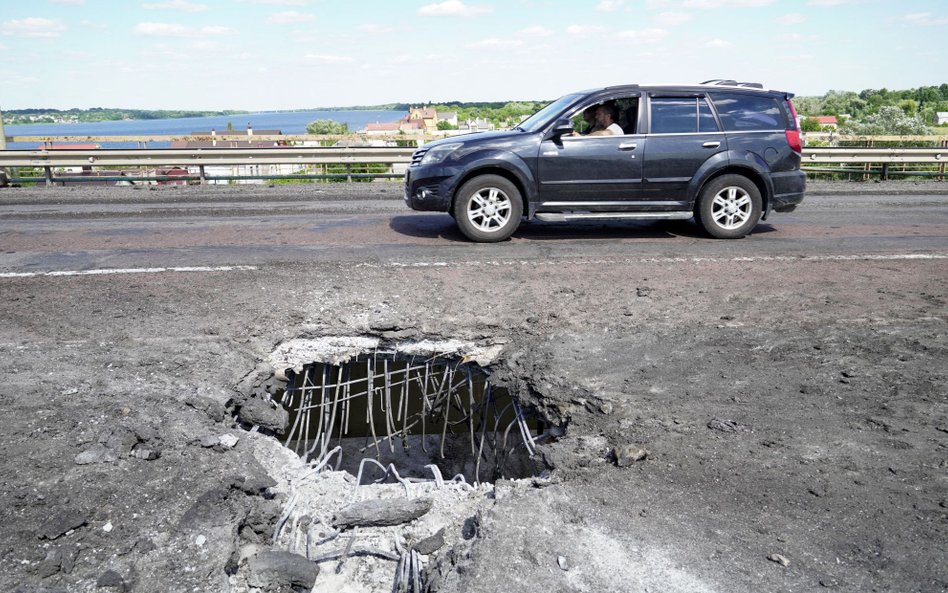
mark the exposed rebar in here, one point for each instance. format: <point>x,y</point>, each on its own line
<point>405,398</point>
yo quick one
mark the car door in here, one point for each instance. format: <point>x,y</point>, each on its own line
<point>683,134</point>
<point>590,172</point>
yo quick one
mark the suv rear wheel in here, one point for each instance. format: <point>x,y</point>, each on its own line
<point>488,209</point>
<point>729,207</point>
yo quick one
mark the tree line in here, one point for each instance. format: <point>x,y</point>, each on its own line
<point>877,111</point>
<point>98,114</point>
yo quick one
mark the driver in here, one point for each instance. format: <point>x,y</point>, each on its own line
<point>607,115</point>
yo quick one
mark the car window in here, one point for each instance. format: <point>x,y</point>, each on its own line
<point>681,115</point>
<point>748,112</point>
<point>706,121</point>
<point>625,109</point>
<point>539,119</point>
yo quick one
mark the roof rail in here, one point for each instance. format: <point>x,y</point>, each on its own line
<point>729,82</point>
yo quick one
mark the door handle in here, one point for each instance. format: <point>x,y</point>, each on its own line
<point>628,146</point>
<point>711,144</point>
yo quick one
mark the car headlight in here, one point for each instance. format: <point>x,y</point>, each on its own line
<point>439,153</point>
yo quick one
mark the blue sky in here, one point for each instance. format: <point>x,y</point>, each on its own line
<point>295,54</point>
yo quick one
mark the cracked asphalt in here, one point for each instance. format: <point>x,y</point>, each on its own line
<point>789,388</point>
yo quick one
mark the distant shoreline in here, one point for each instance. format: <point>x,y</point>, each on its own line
<point>41,116</point>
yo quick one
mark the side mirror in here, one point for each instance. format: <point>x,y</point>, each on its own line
<point>562,127</point>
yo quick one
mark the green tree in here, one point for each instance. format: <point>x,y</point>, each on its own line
<point>446,125</point>
<point>810,124</point>
<point>909,106</point>
<point>890,121</point>
<point>327,126</point>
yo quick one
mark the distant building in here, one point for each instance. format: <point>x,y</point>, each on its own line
<point>425,116</point>
<point>208,141</point>
<point>827,121</point>
<point>68,146</point>
<point>213,143</point>
<point>418,120</point>
<point>476,125</point>
<point>941,118</point>
<point>383,129</point>
<point>449,116</point>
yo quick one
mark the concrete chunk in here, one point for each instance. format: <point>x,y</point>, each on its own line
<point>276,569</point>
<point>371,513</point>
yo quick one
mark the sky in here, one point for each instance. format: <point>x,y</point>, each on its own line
<point>299,54</point>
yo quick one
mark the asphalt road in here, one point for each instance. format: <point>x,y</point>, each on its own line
<point>71,229</point>
<point>786,393</point>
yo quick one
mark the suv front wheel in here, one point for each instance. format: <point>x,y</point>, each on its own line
<point>729,207</point>
<point>488,209</point>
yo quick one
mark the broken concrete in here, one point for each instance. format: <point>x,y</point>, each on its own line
<point>376,513</point>
<point>843,479</point>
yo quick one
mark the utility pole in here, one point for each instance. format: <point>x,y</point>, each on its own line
<point>4,174</point>
<point>3,135</point>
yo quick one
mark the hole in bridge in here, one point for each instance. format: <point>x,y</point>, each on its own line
<point>410,412</point>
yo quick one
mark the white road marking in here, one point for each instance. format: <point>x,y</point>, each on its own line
<point>661,260</point>
<point>499,263</point>
<point>108,271</point>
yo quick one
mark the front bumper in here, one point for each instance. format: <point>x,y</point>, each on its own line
<point>429,188</point>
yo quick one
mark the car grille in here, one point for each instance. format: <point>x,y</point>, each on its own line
<point>417,156</point>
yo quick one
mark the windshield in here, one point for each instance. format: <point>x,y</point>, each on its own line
<point>539,119</point>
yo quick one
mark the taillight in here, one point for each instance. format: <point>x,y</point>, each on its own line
<point>793,139</point>
<point>793,135</point>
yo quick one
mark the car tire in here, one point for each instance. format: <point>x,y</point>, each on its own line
<point>729,207</point>
<point>488,209</point>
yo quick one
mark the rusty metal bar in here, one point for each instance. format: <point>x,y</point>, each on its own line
<point>404,398</point>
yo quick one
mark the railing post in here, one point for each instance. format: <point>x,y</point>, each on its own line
<point>202,175</point>
<point>885,172</point>
<point>349,172</point>
<point>49,175</point>
<point>5,173</point>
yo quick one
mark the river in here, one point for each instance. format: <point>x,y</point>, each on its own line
<point>288,122</point>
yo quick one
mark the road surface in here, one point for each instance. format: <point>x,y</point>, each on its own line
<point>765,414</point>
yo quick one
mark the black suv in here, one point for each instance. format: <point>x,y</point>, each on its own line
<point>725,152</point>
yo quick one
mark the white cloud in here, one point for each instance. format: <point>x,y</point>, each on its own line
<point>375,28</point>
<point>797,38</point>
<point>924,18</point>
<point>290,17</point>
<point>495,43</point>
<point>609,5</point>
<point>182,5</point>
<point>671,19</point>
<point>284,2</point>
<point>791,18</point>
<point>726,3</point>
<point>536,31</point>
<point>328,59</point>
<point>33,27</point>
<point>643,35</point>
<point>175,30</point>
<point>718,43</point>
<point>210,46</point>
<point>584,30</point>
<point>217,30</point>
<point>453,8</point>
<point>76,54</point>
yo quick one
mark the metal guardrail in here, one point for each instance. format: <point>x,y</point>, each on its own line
<point>814,159</point>
<point>201,159</point>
